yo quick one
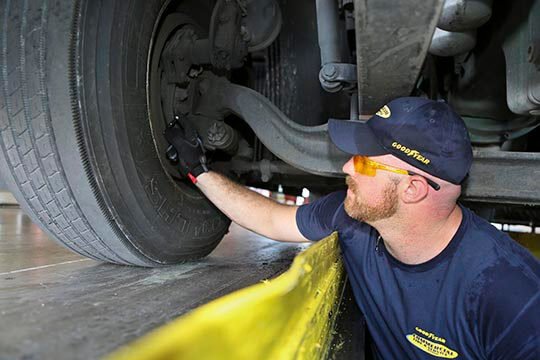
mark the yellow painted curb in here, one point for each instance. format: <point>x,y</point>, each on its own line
<point>289,317</point>
<point>530,241</point>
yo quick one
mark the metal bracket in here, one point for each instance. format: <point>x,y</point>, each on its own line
<point>391,46</point>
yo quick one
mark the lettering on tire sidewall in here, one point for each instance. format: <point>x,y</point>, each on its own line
<point>171,214</point>
<point>164,207</point>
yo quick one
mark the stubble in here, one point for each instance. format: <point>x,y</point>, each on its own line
<point>361,210</point>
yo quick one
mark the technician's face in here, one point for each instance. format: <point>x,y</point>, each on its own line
<point>369,198</point>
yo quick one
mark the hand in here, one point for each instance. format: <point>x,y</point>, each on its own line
<point>188,145</point>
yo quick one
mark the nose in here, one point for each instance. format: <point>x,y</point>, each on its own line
<point>348,167</point>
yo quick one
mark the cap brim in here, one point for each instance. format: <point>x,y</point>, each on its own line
<point>355,138</point>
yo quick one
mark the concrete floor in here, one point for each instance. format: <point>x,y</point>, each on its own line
<point>55,304</point>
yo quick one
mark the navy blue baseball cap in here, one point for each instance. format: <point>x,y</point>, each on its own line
<point>426,134</point>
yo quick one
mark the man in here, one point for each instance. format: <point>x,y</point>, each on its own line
<point>432,279</point>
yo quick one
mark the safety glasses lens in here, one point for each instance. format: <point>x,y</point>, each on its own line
<point>362,165</point>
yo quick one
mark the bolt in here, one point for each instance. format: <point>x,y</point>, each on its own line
<point>193,72</point>
<point>329,71</point>
<point>216,133</point>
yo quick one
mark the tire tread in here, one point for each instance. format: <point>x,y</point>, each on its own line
<point>27,136</point>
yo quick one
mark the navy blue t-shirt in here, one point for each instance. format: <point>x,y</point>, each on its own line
<point>478,299</point>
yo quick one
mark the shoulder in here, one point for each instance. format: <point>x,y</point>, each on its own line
<point>321,217</point>
<point>494,260</point>
<point>324,206</point>
<point>485,249</point>
<point>332,200</point>
<point>509,320</point>
<point>502,285</point>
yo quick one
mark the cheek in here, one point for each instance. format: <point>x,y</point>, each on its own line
<point>366,188</point>
<point>369,190</point>
<point>354,183</point>
<point>367,185</point>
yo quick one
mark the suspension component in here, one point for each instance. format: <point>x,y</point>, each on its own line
<point>335,75</point>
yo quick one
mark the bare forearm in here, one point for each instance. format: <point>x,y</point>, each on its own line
<point>243,206</point>
<point>250,209</point>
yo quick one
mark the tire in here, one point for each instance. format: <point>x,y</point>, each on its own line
<point>77,148</point>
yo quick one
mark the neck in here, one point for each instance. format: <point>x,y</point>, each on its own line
<point>414,242</point>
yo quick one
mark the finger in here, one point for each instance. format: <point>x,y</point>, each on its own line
<point>181,127</point>
<point>183,166</point>
<point>201,145</point>
<point>189,131</point>
<point>172,133</point>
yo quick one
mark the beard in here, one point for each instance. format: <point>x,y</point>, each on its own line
<point>360,210</point>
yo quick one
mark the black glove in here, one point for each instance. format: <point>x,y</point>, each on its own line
<point>189,148</point>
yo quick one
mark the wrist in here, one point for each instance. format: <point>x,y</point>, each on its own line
<point>201,178</point>
<point>196,172</point>
<point>204,176</point>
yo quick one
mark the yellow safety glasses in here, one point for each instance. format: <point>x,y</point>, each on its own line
<point>365,166</point>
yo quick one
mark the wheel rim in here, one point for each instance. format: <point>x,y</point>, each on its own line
<point>162,87</point>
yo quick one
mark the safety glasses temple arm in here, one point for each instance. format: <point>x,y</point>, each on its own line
<point>431,183</point>
<point>388,168</point>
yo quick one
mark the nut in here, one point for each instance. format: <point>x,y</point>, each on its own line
<point>329,71</point>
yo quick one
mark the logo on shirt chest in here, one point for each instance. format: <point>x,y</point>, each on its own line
<point>431,343</point>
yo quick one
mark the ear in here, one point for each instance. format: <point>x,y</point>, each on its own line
<point>416,189</point>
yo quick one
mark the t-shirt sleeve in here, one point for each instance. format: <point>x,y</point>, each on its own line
<point>509,310</point>
<point>521,338</point>
<point>316,220</point>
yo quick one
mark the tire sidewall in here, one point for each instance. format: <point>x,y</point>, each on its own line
<point>165,220</point>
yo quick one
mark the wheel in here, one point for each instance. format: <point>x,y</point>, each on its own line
<point>76,139</point>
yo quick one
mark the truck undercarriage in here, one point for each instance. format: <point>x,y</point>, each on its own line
<point>82,137</point>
